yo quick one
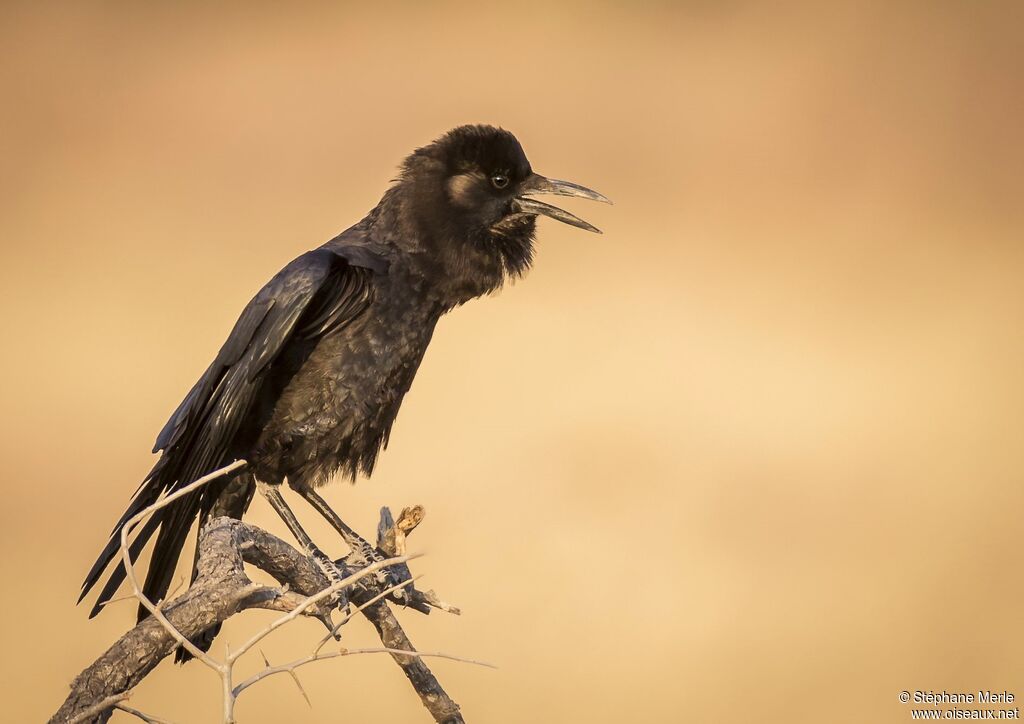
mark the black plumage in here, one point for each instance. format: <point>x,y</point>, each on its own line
<point>312,375</point>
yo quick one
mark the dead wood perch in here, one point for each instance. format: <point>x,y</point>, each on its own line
<point>223,589</point>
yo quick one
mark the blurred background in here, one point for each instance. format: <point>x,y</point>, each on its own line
<point>754,454</point>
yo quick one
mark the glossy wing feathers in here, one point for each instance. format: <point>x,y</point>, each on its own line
<point>315,294</point>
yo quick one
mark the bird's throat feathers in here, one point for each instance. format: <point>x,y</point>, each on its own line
<point>461,253</point>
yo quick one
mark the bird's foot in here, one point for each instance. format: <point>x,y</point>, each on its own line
<point>387,578</point>
<point>339,599</point>
<point>383,578</point>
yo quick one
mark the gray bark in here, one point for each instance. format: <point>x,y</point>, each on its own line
<point>221,590</point>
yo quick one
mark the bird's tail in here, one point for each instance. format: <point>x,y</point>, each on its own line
<point>232,502</point>
<point>172,521</point>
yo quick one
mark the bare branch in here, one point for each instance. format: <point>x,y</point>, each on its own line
<point>154,610</point>
<point>291,666</point>
<point>222,589</point>
<point>345,619</point>
<point>418,654</point>
<point>314,599</point>
<point>431,599</point>
<point>99,707</point>
<point>436,700</point>
<point>140,715</point>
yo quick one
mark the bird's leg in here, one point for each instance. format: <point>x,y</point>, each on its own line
<point>352,539</point>
<point>358,544</point>
<point>326,565</point>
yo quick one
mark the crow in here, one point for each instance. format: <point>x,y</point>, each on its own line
<point>310,379</point>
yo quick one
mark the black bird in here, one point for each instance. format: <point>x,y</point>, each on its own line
<point>310,379</point>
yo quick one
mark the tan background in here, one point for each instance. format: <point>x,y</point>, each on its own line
<point>753,455</point>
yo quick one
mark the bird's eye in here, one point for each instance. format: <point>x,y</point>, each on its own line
<point>499,180</point>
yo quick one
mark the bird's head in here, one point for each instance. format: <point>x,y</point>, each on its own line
<point>473,198</point>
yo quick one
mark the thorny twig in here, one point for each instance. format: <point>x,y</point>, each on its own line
<point>291,666</point>
<point>252,545</point>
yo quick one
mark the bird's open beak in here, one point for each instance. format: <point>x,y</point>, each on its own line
<point>537,184</point>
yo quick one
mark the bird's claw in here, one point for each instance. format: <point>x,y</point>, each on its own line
<point>339,599</point>
<point>383,578</point>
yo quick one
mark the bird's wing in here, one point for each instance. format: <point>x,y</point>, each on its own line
<point>316,293</point>
<point>311,296</point>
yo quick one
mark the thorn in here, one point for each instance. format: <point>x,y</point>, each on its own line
<point>109,601</point>
<point>295,678</point>
<point>181,580</point>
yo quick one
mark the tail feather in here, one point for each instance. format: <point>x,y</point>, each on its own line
<point>119,573</point>
<point>232,500</point>
<point>173,522</point>
<point>145,496</point>
<point>171,539</point>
